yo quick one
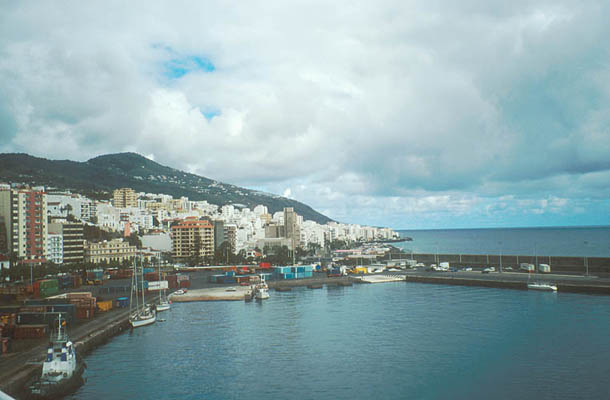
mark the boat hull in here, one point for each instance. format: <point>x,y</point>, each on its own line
<point>543,288</point>
<point>162,307</point>
<point>53,390</point>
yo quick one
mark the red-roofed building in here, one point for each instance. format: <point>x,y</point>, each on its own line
<point>192,238</point>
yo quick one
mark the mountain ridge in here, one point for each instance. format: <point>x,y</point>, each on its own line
<point>102,174</point>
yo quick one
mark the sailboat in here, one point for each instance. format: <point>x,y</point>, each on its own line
<point>139,314</point>
<point>537,285</point>
<point>164,303</point>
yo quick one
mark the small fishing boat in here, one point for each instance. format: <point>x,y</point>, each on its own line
<point>546,287</point>
<point>62,370</point>
<point>261,290</point>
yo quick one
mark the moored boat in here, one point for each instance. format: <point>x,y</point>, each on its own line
<point>546,287</point>
<point>261,291</point>
<point>62,370</point>
<point>140,314</point>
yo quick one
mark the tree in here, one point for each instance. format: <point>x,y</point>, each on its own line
<point>134,240</point>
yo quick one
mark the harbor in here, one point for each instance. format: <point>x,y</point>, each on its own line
<point>19,367</point>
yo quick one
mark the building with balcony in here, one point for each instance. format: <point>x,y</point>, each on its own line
<point>192,238</point>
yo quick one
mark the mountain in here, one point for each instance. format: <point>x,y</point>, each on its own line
<point>98,176</point>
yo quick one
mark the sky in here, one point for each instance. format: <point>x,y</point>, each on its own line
<point>408,114</point>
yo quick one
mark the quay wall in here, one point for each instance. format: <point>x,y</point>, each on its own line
<point>584,288</point>
<point>95,334</point>
<point>578,265</point>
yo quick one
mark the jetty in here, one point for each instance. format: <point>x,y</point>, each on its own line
<point>212,294</point>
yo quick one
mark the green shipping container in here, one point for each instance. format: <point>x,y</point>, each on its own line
<point>48,291</point>
<point>49,283</point>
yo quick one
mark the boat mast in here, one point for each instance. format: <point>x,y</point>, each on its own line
<point>142,266</point>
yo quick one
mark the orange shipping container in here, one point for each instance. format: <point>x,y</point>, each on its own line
<point>104,305</point>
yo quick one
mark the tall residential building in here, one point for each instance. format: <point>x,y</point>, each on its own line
<point>192,237</point>
<point>55,248</point>
<point>224,233</point>
<point>113,251</point>
<point>24,214</point>
<point>124,198</point>
<point>72,240</point>
<point>291,227</point>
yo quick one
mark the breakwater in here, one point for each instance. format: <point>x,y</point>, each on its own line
<point>513,281</point>
<point>559,264</point>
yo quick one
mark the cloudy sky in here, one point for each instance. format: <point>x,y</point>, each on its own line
<point>409,114</point>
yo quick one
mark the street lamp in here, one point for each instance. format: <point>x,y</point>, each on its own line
<point>500,243</point>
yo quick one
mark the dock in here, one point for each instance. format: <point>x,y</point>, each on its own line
<point>381,278</point>
<point>212,294</point>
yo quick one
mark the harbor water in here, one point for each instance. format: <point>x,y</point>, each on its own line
<point>386,341</point>
<point>557,241</point>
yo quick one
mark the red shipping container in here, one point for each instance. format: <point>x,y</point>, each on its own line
<point>185,284</point>
<point>86,312</point>
<point>30,331</point>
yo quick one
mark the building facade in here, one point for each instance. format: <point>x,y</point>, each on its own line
<point>113,251</point>
<point>72,239</point>
<point>125,197</point>
<point>23,213</point>
<point>192,238</point>
<point>55,248</point>
<point>291,227</point>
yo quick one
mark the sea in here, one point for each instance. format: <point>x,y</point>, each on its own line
<point>586,241</point>
<point>394,340</point>
<point>397,340</point>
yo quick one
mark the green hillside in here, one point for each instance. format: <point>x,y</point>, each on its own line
<point>98,176</point>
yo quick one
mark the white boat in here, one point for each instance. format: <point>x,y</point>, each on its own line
<point>547,287</point>
<point>537,285</point>
<point>140,314</point>
<point>61,371</point>
<point>261,290</point>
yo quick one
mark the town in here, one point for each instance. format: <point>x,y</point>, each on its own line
<point>44,230</point>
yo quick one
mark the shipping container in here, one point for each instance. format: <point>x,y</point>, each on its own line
<point>544,268</point>
<point>122,302</point>
<point>77,281</point>
<point>47,318</point>
<point>32,331</point>
<point>104,305</point>
<point>185,284</point>
<point>85,312</point>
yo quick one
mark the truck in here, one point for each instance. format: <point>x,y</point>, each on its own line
<point>444,267</point>
<point>527,267</point>
<point>544,268</point>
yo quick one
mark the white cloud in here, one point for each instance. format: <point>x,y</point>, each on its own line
<point>443,109</point>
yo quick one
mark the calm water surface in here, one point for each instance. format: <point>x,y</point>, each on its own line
<point>573,241</point>
<point>385,341</point>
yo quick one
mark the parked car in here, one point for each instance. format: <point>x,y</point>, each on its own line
<point>468,269</point>
<point>508,269</point>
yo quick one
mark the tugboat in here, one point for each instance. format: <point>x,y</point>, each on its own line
<point>62,370</point>
<point>261,290</point>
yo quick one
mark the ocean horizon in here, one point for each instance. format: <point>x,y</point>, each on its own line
<point>579,241</point>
